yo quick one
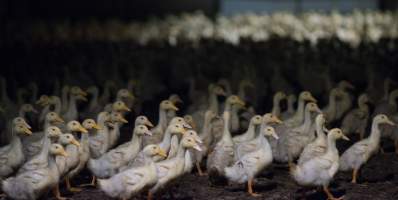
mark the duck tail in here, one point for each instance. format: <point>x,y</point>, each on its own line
<point>235,173</point>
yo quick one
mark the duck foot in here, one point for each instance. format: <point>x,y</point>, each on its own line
<point>250,188</point>
<point>330,195</point>
<point>69,186</point>
<point>57,194</point>
<point>92,184</point>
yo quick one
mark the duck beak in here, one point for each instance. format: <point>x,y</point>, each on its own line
<point>63,153</point>
<point>149,133</point>
<point>27,131</point>
<point>59,120</point>
<point>33,111</point>
<point>198,140</point>
<point>345,138</point>
<point>125,108</point>
<point>82,129</point>
<point>274,135</point>
<point>83,93</point>
<point>162,153</point>
<point>390,123</point>
<point>222,93</point>
<point>27,125</point>
<point>241,103</point>
<point>97,127</point>
<point>82,97</point>
<point>173,107</point>
<point>186,125</point>
<point>183,131</point>
<point>277,120</point>
<point>312,99</point>
<point>350,86</point>
<point>75,142</point>
<point>318,110</point>
<point>41,102</point>
<point>123,120</point>
<point>148,123</point>
<point>197,147</point>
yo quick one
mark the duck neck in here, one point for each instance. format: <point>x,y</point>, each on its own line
<point>57,106</point>
<point>206,128</point>
<point>46,146</point>
<point>64,99</point>
<point>307,121</point>
<point>242,91</point>
<point>375,132</point>
<point>22,113</point>
<point>226,134</point>
<point>276,109</point>
<point>94,99</point>
<point>300,110</point>
<point>136,141</point>
<point>331,149</point>
<point>290,106</point>
<point>251,131</point>
<point>162,119</point>
<point>332,106</point>
<point>319,131</point>
<point>213,102</point>
<point>72,104</point>
<point>362,106</point>
<point>165,144</point>
<point>53,166</point>
<point>84,140</point>
<point>181,151</point>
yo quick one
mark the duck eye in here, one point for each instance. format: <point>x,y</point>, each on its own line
<point>141,127</point>
<point>153,147</point>
<point>189,140</point>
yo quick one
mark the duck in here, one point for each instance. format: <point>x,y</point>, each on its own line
<point>40,160</point>
<point>330,111</point>
<point>276,108</point>
<point>345,102</point>
<point>320,170</point>
<point>84,149</point>
<point>93,106</point>
<point>388,108</point>
<point>126,96</point>
<point>189,120</point>
<point>33,184</point>
<point>11,155</point>
<point>72,160</point>
<point>222,154</point>
<point>255,121</point>
<point>98,142</point>
<point>158,130</point>
<point>175,143</point>
<point>75,94</point>
<point>130,182</point>
<point>175,99</point>
<point>170,169</point>
<point>114,133</point>
<point>110,163</point>
<point>360,152</point>
<point>298,117</point>
<point>319,145</point>
<point>249,165</point>
<point>43,101</point>
<point>25,109</point>
<point>291,99</point>
<point>293,140</point>
<point>356,120</point>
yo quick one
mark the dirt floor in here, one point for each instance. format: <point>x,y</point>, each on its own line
<point>378,180</point>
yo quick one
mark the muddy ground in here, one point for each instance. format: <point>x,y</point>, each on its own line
<point>378,180</point>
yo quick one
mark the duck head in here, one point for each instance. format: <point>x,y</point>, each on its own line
<point>90,124</point>
<point>270,131</point>
<point>168,105</point>
<point>270,118</point>
<point>181,121</point>
<point>53,117</point>
<point>307,96</point>
<point>58,150</point>
<point>67,138</point>
<point>142,120</point>
<point>75,126</point>
<point>142,130</point>
<point>154,150</point>
<point>120,106</point>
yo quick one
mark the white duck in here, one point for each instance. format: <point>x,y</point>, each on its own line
<point>75,94</point>
<point>360,152</point>
<point>110,163</point>
<point>330,111</point>
<point>357,119</point>
<point>128,183</point>
<point>98,142</point>
<point>255,121</point>
<point>249,165</point>
<point>298,117</point>
<point>291,99</point>
<point>320,170</point>
<point>276,107</point>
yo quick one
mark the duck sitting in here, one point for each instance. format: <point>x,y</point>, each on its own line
<point>110,163</point>
<point>11,155</point>
<point>169,170</point>
<point>250,164</point>
<point>32,184</point>
<point>128,183</point>
<point>255,121</point>
<point>320,170</point>
<point>357,119</point>
<point>318,146</point>
<point>360,152</point>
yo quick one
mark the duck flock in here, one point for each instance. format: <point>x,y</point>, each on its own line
<point>211,118</point>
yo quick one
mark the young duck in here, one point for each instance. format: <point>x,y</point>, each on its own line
<point>110,163</point>
<point>33,184</point>
<point>291,99</point>
<point>126,96</point>
<point>250,164</point>
<point>98,142</point>
<point>357,119</point>
<point>75,94</point>
<point>190,121</point>
<point>128,183</point>
<point>223,153</point>
<point>345,102</point>
<point>294,140</point>
<point>276,108</point>
<point>360,152</point>
<point>320,170</point>
<point>330,111</point>
<point>255,121</point>
<point>318,146</point>
<point>41,159</point>
<point>175,142</point>
<point>11,155</point>
<point>175,99</point>
<point>158,131</point>
<point>114,133</point>
<point>25,109</point>
<point>84,149</point>
<point>36,140</point>
<point>169,170</point>
<point>298,117</point>
<point>72,160</point>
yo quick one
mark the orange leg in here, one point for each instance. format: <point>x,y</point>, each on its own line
<point>250,188</point>
<point>354,176</point>
<point>200,171</point>
<point>93,182</point>
<point>330,195</point>
<point>57,194</point>
<point>69,186</point>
